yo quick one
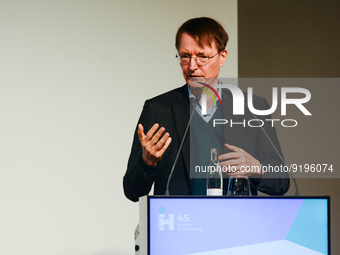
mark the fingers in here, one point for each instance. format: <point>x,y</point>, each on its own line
<point>155,137</point>
<point>232,162</point>
<point>150,135</point>
<point>154,143</point>
<point>239,162</point>
<point>232,147</point>
<point>151,132</point>
<point>229,155</point>
<point>140,131</point>
<point>161,143</point>
<point>237,170</point>
<point>165,145</point>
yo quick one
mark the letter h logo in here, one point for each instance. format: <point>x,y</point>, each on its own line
<point>162,222</point>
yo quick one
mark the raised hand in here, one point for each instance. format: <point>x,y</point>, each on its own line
<point>153,143</point>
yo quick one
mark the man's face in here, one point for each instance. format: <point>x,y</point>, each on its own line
<point>194,72</point>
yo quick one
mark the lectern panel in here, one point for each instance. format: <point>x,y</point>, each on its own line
<point>230,225</point>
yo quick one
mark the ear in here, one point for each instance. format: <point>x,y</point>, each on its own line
<point>223,57</point>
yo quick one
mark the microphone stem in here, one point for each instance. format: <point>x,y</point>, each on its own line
<point>167,193</point>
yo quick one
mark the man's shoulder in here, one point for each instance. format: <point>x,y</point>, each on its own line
<point>177,93</point>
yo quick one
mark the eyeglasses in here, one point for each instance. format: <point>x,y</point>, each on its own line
<point>201,60</point>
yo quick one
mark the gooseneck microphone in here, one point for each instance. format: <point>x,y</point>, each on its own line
<point>167,193</point>
<point>297,192</point>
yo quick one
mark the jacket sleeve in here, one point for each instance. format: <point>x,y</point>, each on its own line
<point>139,177</point>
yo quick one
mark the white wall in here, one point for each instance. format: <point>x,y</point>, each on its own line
<point>73,79</point>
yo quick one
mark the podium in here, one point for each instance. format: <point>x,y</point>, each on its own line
<point>201,225</point>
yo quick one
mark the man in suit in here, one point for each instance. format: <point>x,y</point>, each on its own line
<point>201,44</point>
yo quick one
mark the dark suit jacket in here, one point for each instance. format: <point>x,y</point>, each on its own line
<point>171,111</point>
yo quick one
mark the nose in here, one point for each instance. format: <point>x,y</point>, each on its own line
<point>193,64</point>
